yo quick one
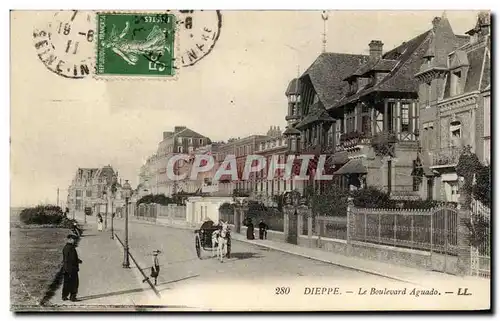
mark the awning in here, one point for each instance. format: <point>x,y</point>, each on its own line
<point>354,166</point>
<point>340,158</point>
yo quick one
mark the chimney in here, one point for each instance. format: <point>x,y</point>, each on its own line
<point>166,134</point>
<point>435,22</point>
<point>179,128</point>
<point>376,47</point>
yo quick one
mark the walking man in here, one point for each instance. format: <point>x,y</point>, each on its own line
<point>262,230</point>
<point>71,264</point>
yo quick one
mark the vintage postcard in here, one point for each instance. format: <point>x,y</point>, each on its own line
<point>202,160</point>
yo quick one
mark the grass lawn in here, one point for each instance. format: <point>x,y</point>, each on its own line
<point>35,259</point>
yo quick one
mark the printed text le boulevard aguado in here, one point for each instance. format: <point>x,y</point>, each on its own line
<point>411,291</point>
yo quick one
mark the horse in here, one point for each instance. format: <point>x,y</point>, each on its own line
<point>222,238</point>
<point>215,236</point>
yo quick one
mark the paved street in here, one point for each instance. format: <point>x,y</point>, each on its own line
<point>183,277</point>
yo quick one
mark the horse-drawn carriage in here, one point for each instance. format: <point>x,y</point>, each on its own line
<point>206,240</point>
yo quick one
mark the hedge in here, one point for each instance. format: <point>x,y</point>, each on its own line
<point>42,214</point>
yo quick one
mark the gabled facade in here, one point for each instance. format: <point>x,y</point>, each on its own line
<point>309,123</point>
<point>88,186</point>
<point>454,104</point>
<point>364,111</point>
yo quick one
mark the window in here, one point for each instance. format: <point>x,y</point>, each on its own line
<point>190,141</point>
<point>88,193</point>
<point>201,141</point>
<point>78,193</point>
<point>366,124</point>
<point>456,134</point>
<point>179,140</point>
<point>179,149</point>
<point>428,94</point>
<point>455,85</point>
<point>405,118</point>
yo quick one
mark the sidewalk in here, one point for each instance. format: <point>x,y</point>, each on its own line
<point>103,280</point>
<point>395,272</point>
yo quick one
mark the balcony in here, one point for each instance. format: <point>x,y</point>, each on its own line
<point>445,157</point>
<point>350,141</point>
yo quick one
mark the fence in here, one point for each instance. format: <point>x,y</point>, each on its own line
<point>481,255</point>
<point>429,230</point>
<point>174,212</point>
<point>273,219</point>
<point>334,227</point>
<point>147,212</point>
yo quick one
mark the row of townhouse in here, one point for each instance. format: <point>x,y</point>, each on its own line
<point>382,116</point>
<point>153,173</point>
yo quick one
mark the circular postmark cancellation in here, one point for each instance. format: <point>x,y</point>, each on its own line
<point>65,45</point>
<point>198,31</point>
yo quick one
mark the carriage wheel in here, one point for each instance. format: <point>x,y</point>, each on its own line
<point>197,244</point>
<point>228,254</point>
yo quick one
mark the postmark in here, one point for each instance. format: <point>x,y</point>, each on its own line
<point>65,45</point>
<point>199,31</point>
<point>135,44</point>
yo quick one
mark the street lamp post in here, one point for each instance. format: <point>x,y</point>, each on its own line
<point>105,199</point>
<point>112,216</point>
<point>127,191</point>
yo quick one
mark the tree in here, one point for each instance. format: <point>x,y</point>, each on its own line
<point>467,167</point>
<point>155,199</point>
<point>332,202</point>
<point>482,188</point>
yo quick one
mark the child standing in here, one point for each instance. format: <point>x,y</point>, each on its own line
<point>155,269</point>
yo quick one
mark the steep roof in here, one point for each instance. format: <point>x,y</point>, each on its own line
<point>186,132</point>
<point>293,87</point>
<point>478,69</point>
<point>317,113</point>
<point>407,57</point>
<point>327,72</point>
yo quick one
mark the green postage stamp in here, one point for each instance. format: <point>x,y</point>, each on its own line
<point>133,44</point>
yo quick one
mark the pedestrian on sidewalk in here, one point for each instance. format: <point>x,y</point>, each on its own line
<point>71,264</point>
<point>155,268</point>
<point>250,230</point>
<point>99,222</point>
<point>263,230</point>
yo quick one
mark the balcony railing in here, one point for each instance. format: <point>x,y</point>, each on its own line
<point>446,156</point>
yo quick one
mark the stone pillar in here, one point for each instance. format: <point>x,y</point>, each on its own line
<point>287,211</point>
<point>310,228</point>
<point>243,214</point>
<point>300,223</point>
<point>304,212</point>
<point>237,220</point>
<point>464,248</point>
<point>350,220</point>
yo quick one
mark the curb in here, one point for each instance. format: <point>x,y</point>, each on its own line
<point>351,267</point>
<point>348,266</point>
<point>139,268</point>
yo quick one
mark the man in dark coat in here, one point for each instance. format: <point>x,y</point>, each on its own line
<point>71,264</point>
<point>262,230</point>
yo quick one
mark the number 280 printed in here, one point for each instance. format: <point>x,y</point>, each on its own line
<point>282,290</point>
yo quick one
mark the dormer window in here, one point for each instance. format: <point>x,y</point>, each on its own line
<point>372,80</point>
<point>353,87</point>
<point>456,83</point>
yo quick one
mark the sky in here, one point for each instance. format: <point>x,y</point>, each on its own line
<point>60,124</point>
